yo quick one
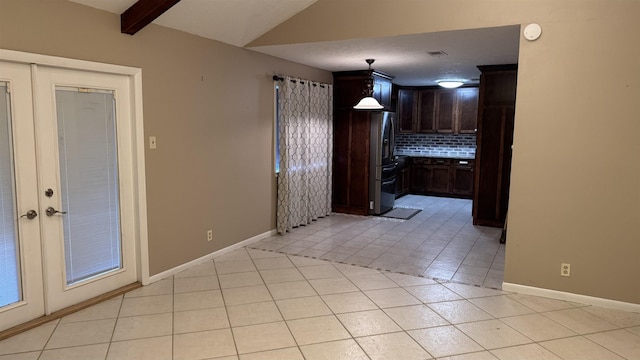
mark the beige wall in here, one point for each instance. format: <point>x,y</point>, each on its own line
<point>575,193</point>
<point>210,105</point>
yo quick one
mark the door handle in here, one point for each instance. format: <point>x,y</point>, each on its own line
<point>51,211</point>
<point>31,214</point>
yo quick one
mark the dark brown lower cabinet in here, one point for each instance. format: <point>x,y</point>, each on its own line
<point>462,178</point>
<point>420,174</point>
<point>440,180</point>
<point>442,177</point>
<point>403,181</point>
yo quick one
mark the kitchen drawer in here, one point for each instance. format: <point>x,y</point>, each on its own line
<point>420,161</point>
<point>438,161</point>
<point>464,162</point>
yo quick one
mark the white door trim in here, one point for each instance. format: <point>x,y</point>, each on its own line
<point>139,179</point>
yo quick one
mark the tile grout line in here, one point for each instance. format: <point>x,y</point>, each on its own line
<point>226,307</point>
<point>113,332</point>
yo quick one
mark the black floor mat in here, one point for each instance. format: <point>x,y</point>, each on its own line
<point>401,213</point>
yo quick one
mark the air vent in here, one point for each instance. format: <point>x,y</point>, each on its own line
<point>437,53</point>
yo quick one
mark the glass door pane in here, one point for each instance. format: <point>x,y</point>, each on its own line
<point>9,259</point>
<point>89,182</point>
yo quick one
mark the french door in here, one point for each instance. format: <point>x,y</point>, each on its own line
<point>22,292</point>
<point>67,189</point>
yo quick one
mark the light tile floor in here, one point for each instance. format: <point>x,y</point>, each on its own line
<point>255,304</point>
<point>440,242</point>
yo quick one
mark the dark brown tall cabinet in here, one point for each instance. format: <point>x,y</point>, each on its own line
<point>351,142</point>
<point>496,111</point>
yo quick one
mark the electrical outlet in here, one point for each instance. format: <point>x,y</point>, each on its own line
<point>209,235</point>
<point>565,270</point>
<point>152,142</point>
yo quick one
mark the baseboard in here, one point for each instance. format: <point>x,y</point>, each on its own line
<point>566,296</point>
<point>210,256</point>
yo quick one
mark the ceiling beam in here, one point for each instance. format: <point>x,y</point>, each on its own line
<point>142,13</point>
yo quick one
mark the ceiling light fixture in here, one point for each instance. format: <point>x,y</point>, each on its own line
<point>368,102</point>
<point>450,84</point>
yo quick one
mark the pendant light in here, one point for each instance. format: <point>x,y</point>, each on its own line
<point>368,102</point>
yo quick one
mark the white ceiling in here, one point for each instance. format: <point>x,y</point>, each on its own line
<point>238,22</point>
<point>235,22</point>
<point>406,57</point>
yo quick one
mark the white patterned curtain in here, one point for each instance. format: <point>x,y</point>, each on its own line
<point>306,149</point>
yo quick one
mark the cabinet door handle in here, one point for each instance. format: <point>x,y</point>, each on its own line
<point>463,162</point>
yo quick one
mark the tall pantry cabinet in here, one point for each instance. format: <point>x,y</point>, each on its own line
<point>351,138</point>
<point>496,110</point>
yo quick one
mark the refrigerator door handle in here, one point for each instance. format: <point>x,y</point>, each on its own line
<point>392,136</point>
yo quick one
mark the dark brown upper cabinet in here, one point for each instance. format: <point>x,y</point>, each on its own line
<point>445,111</point>
<point>426,111</point>
<point>407,108</point>
<point>382,90</point>
<point>436,110</point>
<point>350,86</point>
<point>467,110</point>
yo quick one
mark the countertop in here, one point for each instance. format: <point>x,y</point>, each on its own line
<point>438,154</point>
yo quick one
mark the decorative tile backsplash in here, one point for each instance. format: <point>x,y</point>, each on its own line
<point>437,145</point>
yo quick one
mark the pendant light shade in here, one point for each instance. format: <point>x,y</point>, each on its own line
<point>368,102</point>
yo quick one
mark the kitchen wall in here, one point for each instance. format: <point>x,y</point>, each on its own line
<point>575,172</point>
<point>210,105</point>
<point>461,146</point>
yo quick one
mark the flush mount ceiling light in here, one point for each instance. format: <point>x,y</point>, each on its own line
<point>450,84</point>
<point>368,102</point>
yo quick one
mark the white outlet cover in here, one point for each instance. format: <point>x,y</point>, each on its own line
<point>532,32</point>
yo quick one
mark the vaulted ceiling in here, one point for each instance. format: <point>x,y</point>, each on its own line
<point>235,22</point>
<point>238,22</point>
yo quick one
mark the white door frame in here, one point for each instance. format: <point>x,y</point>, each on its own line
<point>139,179</point>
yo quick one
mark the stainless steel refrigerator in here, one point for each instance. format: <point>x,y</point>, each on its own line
<point>382,166</point>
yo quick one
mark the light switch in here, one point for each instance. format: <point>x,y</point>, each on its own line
<point>152,142</point>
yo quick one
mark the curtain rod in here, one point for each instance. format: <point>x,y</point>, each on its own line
<point>279,78</point>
